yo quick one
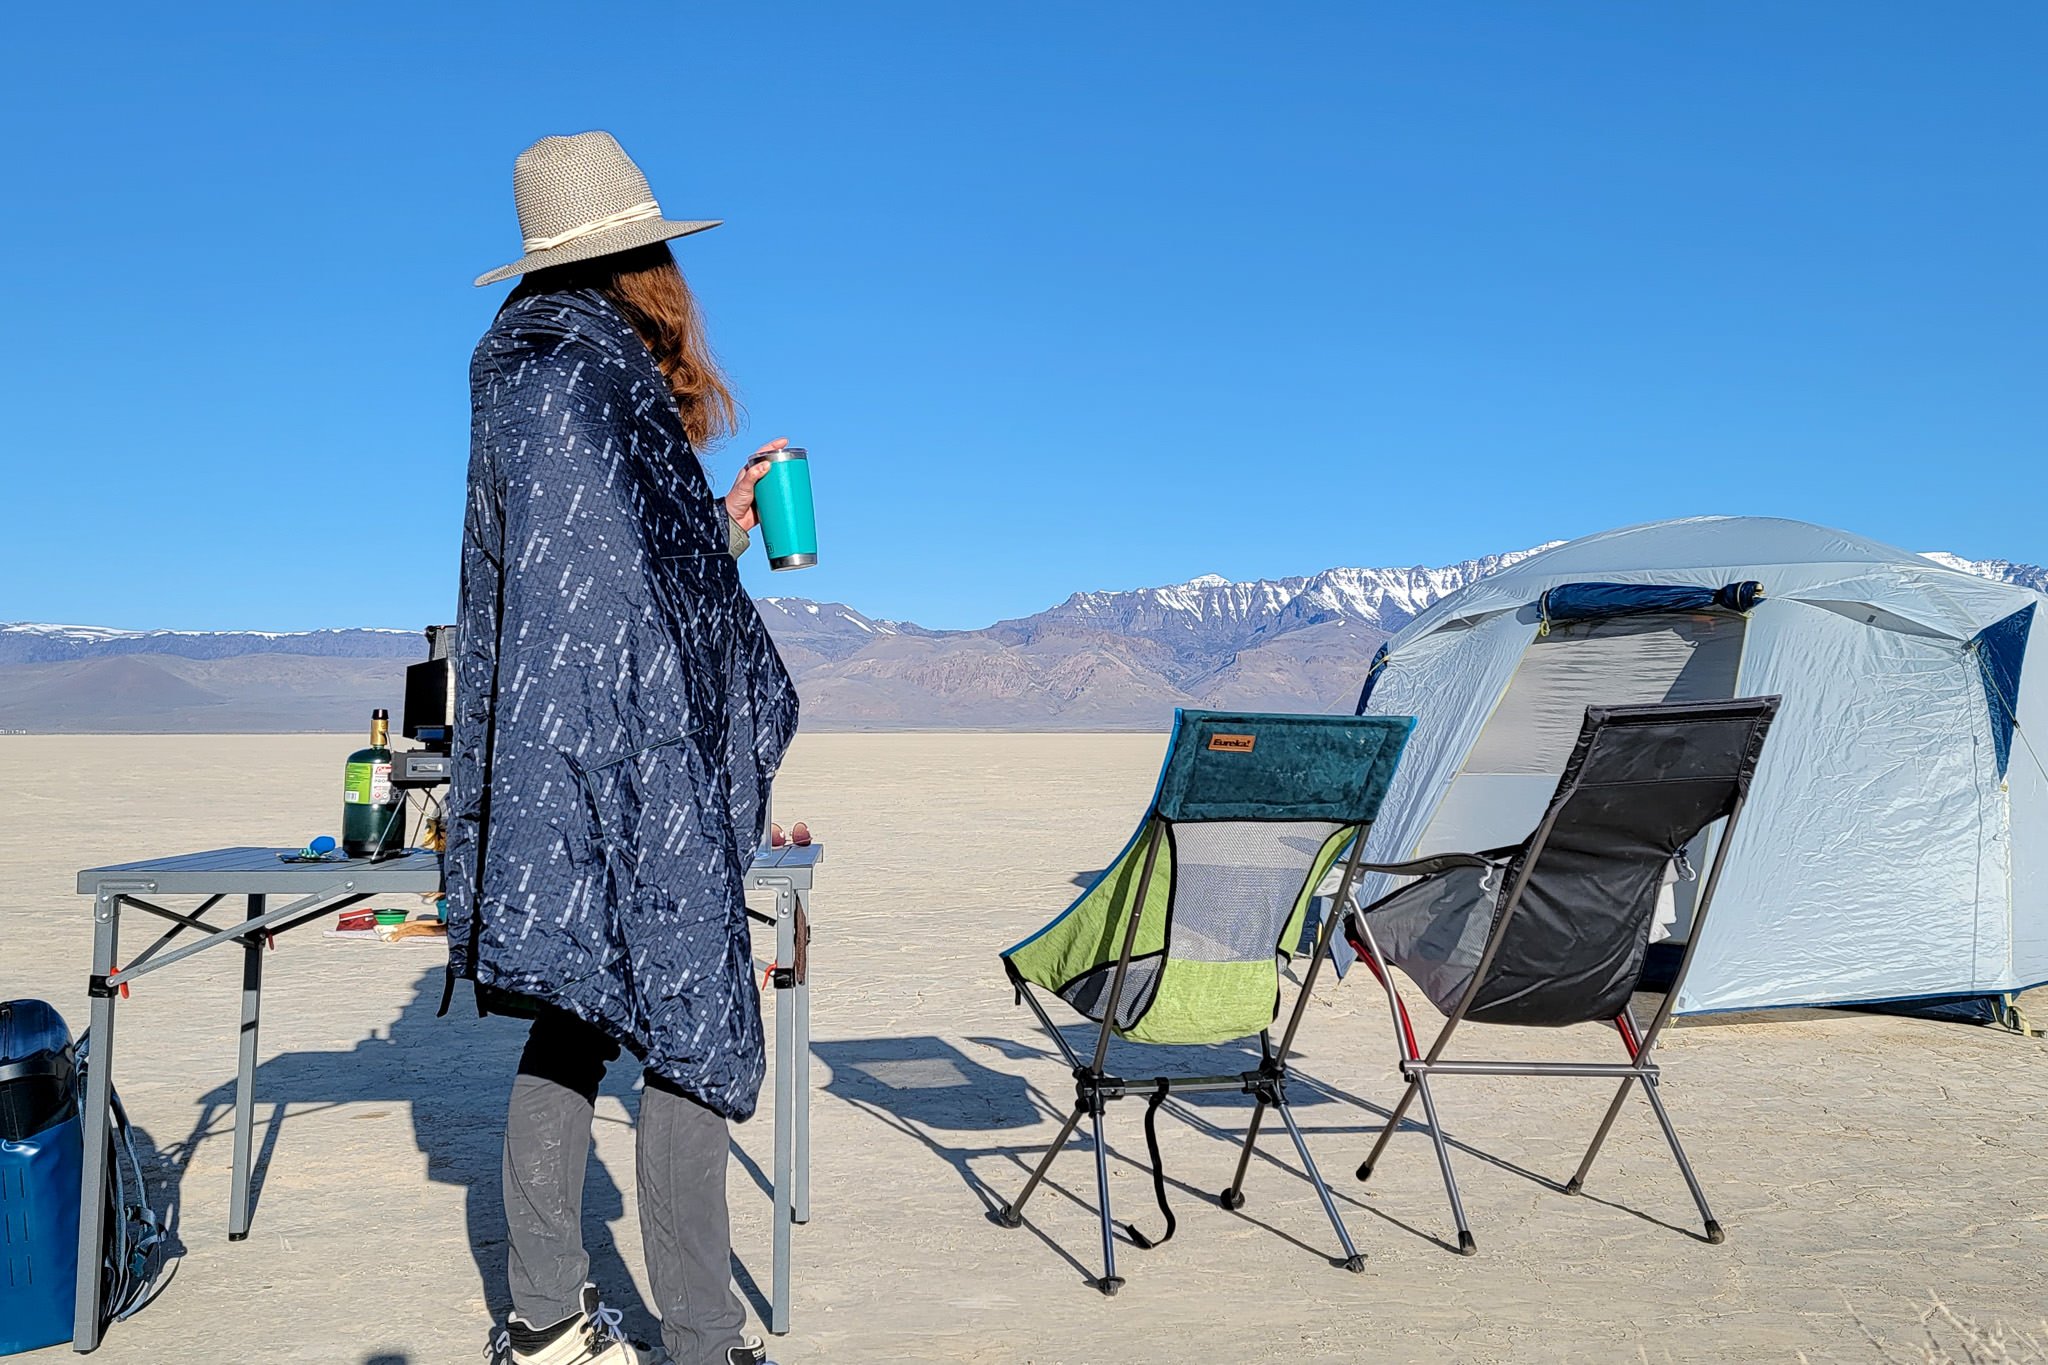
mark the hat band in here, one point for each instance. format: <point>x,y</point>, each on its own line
<point>638,213</point>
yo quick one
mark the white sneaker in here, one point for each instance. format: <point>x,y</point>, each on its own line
<point>595,1337</point>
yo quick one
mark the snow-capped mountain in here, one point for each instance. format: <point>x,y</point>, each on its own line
<point>1209,614</point>
<point>1998,570</point>
<point>1099,660</point>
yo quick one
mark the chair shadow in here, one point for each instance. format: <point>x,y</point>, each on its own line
<point>926,1088</point>
<point>454,1074</point>
<point>921,1084</point>
<point>1305,1090</point>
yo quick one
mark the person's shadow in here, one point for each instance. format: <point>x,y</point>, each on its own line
<point>455,1075</point>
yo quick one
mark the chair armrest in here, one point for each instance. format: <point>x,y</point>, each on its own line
<point>1419,867</point>
<point>1432,865</point>
<point>1489,865</point>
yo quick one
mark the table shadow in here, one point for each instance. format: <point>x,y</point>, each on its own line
<point>454,1075</point>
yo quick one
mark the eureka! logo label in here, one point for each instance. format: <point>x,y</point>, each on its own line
<point>1236,744</point>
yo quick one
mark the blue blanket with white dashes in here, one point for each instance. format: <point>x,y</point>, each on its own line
<point>620,707</point>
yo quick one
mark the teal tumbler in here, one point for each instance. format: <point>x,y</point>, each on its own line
<point>782,499</point>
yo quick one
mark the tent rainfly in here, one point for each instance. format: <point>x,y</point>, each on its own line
<point>1896,842</point>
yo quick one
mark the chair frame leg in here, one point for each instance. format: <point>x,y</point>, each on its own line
<point>1467,1245</point>
<point>1012,1214</point>
<point>1110,1281</point>
<point>1393,1125</point>
<point>1353,1261</point>
<point>1578,1179</point>
<point>1699,1196</point>
<point>1233,1197</point>
<point>1625,1024</point>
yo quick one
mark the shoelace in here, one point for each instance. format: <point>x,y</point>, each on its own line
<point>610,1321</point>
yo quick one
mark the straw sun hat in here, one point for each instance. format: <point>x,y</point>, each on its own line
<point>580,197</point>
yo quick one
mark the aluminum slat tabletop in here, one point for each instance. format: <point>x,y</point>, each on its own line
<point>259,872</point>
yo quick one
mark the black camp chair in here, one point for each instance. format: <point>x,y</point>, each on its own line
<point>1179,941</point>
<point>1553,931</point>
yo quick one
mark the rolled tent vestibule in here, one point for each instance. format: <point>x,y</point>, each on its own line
<point>1897,842</point>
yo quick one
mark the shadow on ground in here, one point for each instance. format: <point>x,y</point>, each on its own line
<point>458,1127</point>
<point>931,1091</point>
<point>973,1118</point>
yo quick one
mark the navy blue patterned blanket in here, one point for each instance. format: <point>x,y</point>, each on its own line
<point>620,707</point>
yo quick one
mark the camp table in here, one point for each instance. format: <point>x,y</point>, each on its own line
<point>311,890</point>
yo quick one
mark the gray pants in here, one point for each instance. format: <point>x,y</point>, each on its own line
<point>680,1158</point>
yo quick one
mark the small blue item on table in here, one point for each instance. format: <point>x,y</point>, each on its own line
<point>321,850</point>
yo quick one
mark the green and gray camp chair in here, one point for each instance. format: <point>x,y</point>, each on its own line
<point>1180,941</point>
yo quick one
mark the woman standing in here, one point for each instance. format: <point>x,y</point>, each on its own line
<point>620,713</point>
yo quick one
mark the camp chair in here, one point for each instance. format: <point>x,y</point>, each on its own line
<point>1179,941</point>
<point>1553,931</point>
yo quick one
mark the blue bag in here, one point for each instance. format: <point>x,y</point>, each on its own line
<point>40,1155</point>
<point>42,1149</point>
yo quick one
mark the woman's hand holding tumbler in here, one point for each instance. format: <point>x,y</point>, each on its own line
<point>739,504</point>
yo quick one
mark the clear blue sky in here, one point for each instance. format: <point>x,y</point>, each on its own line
<point>1059,295</point>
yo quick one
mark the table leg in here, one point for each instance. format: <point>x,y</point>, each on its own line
<point>245,1083</point>
<point>801,1204</point>
<point>785,1094</point>
<point>99,1090</point>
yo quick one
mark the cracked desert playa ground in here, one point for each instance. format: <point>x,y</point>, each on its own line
<point>1862,1164</point>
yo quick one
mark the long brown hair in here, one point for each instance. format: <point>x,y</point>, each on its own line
<point>648,289</point>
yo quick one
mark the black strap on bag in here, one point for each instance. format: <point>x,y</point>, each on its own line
<point>1139,1239</point>
<point>135,1256</point>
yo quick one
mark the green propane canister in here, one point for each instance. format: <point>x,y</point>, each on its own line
<point>372,810</point>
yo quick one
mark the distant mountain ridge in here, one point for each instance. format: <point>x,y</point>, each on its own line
<point>22,643</point>
<point>1209,614</point>
<point>1098,660</point>
<point>1998,570</point>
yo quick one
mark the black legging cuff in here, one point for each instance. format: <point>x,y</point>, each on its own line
<point>567,1051</point>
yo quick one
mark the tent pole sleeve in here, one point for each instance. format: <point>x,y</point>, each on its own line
<point>1123,962</point>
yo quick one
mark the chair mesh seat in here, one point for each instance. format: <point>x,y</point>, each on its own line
<point>1244,835</point>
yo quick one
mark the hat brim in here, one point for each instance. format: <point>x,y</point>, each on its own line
<point>623,238</point>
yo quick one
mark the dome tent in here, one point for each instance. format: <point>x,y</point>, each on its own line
<point>1895,845</point>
